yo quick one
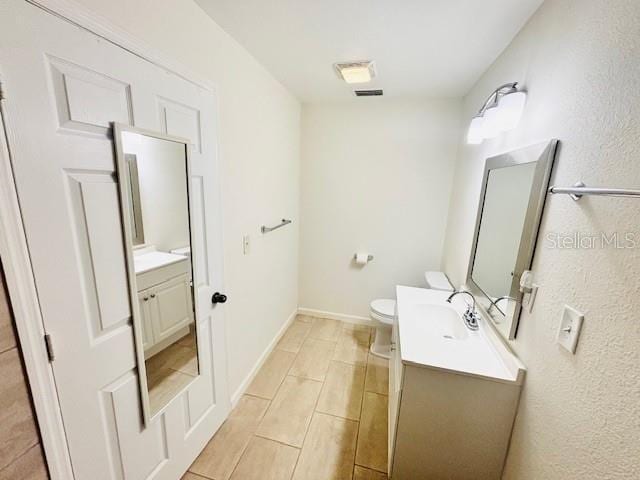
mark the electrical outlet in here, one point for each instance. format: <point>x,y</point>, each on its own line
<point>570,327</point>
<point>245,244</point>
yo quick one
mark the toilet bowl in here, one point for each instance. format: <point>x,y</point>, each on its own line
<point>382,312</point>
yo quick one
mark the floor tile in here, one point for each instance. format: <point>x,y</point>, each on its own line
<point>326,329</point>
<point>188,340</point>
<point>270,376</point>
<point>361,332</point>
<point>175,357</point>
<point>266,460</point>
<point>193,476</point>
<point>329,449</point>
<point>313,359</point>
<point>377,375</point>
<point>361,473</point>
<point>167,383</point>
<point>372,437</point>
<point>18,431</point>
<point>294,337</point>
<point>7,333</point>
<point>305,318</point>
<point>342,391</point>
<point>353,346</point>
<point>221,455</point>
<point>30,466</point>
<point>290,412</point>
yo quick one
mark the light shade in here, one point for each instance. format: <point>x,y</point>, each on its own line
<point>356,75</point>
<point>500,113</point>
<point>511,108</point>
<point>492,122</point>
<point>475,134</point>
<point>356,72</point>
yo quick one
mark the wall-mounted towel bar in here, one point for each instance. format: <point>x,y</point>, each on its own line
<point>579,189</point>
<point>265,229</point>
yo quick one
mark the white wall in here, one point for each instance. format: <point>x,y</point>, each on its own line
<point>162,183</point>
<point>376,176</point>
<point>579,416</point>
<point>259,148</point>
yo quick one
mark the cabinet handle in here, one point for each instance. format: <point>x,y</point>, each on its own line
<point>153,295</point>
<point>145,299</point>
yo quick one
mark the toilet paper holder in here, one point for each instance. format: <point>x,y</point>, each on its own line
<point>369,257</point>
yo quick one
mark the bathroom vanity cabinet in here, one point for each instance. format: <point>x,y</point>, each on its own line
<point>446,421</point>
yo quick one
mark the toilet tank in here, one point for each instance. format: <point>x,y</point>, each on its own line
<point>438,281</point>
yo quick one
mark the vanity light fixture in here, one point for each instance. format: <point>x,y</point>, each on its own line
<point>355,72</point>
<point>499,113</point>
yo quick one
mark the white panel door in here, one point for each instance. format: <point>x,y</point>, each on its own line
<point>63,87</point>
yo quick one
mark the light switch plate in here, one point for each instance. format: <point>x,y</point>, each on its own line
<point>246,245</point>
<point>570,327</point>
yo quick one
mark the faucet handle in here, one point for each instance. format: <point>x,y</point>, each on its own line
<point>471,318</point>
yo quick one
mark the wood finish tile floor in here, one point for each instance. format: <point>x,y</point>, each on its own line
<point>317,410</point>
<point>170,370</point>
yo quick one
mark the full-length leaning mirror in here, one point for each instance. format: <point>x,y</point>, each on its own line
<point>514,188</point>
<point>153,173</point>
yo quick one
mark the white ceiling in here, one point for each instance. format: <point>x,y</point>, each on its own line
<point>434,48</point>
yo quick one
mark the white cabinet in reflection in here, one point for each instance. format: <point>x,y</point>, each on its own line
<point>166,305</point>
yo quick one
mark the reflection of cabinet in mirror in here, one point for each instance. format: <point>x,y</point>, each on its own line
<point>164,294</point>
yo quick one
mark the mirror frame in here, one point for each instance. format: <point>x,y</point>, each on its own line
<point>544,154</point>
<point>137,236</point>
<point>126,212</point>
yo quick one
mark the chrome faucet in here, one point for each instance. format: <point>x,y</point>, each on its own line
<point>494,303</point>
<point>470,317</point>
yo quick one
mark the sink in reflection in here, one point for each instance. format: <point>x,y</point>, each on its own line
<point>444,321</point>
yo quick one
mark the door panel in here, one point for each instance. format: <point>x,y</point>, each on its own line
<point>63,86</point>
<point>88,100</point>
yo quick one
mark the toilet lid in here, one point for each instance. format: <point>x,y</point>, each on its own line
<point>384,307</point>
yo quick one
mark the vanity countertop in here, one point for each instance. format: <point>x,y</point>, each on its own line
<point>431,335</point>
<point>148,261</point>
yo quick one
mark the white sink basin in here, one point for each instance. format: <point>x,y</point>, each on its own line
<point>146,262</point>
<point>444,321</point>
<point>431,333</point>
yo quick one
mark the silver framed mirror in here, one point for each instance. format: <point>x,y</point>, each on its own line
<point>153,178</point>
<point>514,188</point>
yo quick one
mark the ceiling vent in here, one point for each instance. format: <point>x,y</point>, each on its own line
<point>368,93</point>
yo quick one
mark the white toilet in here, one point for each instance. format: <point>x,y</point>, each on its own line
<point>382,311</point>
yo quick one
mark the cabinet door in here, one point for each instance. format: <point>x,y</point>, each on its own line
<point>172,307</point>
<point>395,388</point>
<point>144,299</point>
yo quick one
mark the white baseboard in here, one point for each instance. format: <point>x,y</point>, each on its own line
<point>235,398</point>
<point>343,317</point>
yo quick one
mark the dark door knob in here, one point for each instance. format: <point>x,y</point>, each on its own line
<point>218,298</point>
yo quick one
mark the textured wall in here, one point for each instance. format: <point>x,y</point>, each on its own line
<point>376,176</point>
<point>579,416</point>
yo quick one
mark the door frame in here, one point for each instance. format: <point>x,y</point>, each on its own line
<point>14,251</point>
